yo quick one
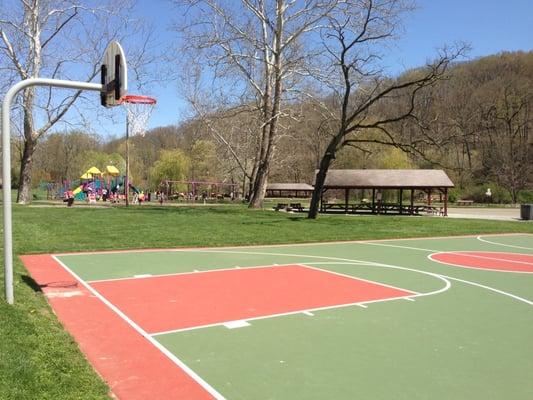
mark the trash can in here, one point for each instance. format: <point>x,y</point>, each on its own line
<point>526,211</point>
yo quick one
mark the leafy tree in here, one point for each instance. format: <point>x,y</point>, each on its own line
<point>393,158</point>
<point>203,161</point>
<point>172,165</point>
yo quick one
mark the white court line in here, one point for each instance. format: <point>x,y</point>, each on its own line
<point>202,249</point>
<point>465,253</point>
<point>193,272</point>
<point>307,265</point>
<point>430,257</point>
<point>402,247</point>
<point>446,286</point>
<point>493,290</point>
<point>502,244</point>
<point>360,304</point>
<point>461,252</point>
<point>445,277</point>
<point>269,316</point>
<point>353,262</point>
<point>142,332</point>
<point>237,324</point>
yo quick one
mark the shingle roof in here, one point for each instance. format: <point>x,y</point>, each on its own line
<point>387,178</point>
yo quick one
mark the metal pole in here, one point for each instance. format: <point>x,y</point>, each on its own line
<point>6,163</point>
<point>127,183</point>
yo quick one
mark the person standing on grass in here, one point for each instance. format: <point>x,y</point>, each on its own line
<point>69,197</point>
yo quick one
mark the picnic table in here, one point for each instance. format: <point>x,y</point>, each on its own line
<point>289,207</point>
<point>464,202</point>
<point>383,208</point>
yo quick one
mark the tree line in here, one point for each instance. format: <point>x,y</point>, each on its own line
<point>277,89</point>
<point>479,120</point>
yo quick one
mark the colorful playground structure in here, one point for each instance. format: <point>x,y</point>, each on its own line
<point>93,185</point>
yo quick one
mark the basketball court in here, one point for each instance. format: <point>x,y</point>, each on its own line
<point>439,318</point>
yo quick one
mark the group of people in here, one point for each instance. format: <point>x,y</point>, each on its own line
<point>112,195</point>
<point>138,197</point>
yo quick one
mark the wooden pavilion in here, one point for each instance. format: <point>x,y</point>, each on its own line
<point>377,180</point>
<point>289,190</point>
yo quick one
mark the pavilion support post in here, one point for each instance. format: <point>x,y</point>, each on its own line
<point>400,194</point>
<point>445,202</point>
<point>429,197</point>
<point>412,209</point>
<point>346,197</point>
<point>322,201</point>
<point>373,201</point>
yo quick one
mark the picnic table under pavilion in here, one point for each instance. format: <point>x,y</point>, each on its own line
<point>378,180</point>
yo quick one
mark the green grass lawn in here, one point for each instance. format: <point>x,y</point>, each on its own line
<point>40,361</point>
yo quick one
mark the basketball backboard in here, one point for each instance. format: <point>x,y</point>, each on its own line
<point>114,75</point>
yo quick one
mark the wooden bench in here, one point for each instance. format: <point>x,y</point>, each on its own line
<point>464,202</point>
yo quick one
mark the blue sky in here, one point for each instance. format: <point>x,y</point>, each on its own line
<point>489,26</point>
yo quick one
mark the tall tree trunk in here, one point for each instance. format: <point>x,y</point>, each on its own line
<point>320,179</point>
<point>263,169</point>
<point>30,141</point>
<point>24,191</point>
<point>259,187</point>
<point>271,115</point>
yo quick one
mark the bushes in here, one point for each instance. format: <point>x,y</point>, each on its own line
<point>525,196</point>
<point>478,194</point>
<point>454,195</point>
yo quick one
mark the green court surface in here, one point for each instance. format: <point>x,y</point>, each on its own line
<point>464,332</point>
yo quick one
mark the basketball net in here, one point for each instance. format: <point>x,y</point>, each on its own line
<point>139,109</point>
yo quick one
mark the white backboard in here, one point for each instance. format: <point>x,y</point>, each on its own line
<point>114,74</point>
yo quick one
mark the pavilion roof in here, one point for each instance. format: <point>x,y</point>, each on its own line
<point>387,178</point>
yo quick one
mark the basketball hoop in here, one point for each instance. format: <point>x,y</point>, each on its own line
<point>139,109</point>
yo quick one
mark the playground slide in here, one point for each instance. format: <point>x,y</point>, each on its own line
<point>77,190</point>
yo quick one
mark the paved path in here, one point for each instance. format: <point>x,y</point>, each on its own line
<point>507,214</point>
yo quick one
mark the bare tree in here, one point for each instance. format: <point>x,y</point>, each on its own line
<point>361,90</point>
<point>506,121</point>
<point>56,39</point>
<point>256,50</point>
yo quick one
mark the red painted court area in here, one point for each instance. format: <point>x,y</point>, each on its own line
<point>182,301</point>
<point>133,367</point>
<point>512,262</point>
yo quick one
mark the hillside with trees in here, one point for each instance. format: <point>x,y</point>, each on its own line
<point>476,124</point>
